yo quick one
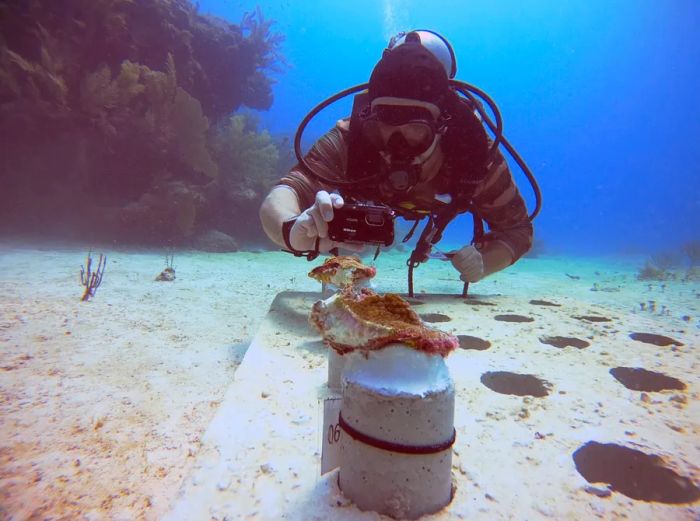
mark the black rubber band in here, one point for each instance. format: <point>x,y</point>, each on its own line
<point>395,447</point>
<point>286,228</point>
<point>309,254</point>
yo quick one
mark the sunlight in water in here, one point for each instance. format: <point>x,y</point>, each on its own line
<point>395,18</point>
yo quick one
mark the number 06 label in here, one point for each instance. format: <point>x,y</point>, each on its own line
<point>331,434</point>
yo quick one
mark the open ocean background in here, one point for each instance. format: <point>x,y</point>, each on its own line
<point>600,99</point>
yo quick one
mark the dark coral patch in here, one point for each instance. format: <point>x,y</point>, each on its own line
<point>477,302</point>
<point>639,379</point>
<point>564,341</point>
<point>518,384</point>
<point>657,340</point>
<point>544,303</point>
<point>473,342</point>
<point>633,473</point>
<point>434,317</point>
<point>593,318</point>
<point>513,318</point>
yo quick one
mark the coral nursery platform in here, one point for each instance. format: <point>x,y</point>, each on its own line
<point>553,399</point>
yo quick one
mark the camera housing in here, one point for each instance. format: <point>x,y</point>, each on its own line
<point>362,223</point>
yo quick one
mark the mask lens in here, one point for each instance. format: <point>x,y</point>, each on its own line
<point>410,127</point>
<point>417,134</point>
<point>399,114</point>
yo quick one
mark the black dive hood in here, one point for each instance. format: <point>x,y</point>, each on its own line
<point>470,92</point>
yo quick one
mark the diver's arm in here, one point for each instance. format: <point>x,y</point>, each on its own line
<point>302,197</point>
<point>496,256</point>
<point>280,205</point>
<point>308,230</point>
<point>499,202</point>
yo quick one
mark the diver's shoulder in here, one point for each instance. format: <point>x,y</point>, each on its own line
<point>339,133</point>
<point>337,137</point>
<point>342,126</point>
<point>334,141</point>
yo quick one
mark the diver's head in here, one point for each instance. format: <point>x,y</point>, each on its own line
<point>434,42</point>
<point>405,118</point>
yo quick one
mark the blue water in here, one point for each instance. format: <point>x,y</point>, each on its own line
<point>600,98</point>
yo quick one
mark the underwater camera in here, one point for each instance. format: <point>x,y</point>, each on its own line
<point>363,223</point>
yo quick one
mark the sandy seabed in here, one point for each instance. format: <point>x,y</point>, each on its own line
<point>103,404</point>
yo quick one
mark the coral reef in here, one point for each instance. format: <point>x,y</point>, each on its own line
<point>249,163</point>
<point>215,241</point>
<point>652,272</point>
<point>692,250</point>
<point>666,260</point>
<point>246,157</point>
<point>114,114</point>
<point>52,46</point>
<point>667,265</point>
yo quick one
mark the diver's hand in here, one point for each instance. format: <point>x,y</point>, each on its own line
<point>470,264</point>
<point>313,223</point>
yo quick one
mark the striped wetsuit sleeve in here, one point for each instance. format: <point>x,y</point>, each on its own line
<point>327,157</point>
<point>498,201</point>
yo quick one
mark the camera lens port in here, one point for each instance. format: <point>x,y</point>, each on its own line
<point>374,219</point>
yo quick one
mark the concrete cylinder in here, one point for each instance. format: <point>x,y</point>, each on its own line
<point>336,363</point>
<point>397,400</point>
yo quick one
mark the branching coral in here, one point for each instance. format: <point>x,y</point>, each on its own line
<point>234,63</point>
<point>247,158</point>
<point>651,272</point>
<point>189,126</point>
<point>30,81</point>
<point>140,108</point>
<point>661,266</point>
<point>666,260</point>
<point>92,278</point>
<point>259,32</point>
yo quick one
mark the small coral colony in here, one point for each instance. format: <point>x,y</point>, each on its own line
<point>356,318</point>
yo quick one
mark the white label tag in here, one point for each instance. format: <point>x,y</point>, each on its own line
<point>330,434</point>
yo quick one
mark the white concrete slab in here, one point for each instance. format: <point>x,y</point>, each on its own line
<point>513,455</point>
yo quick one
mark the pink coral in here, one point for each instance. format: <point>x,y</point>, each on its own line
<point>363,320</point>
<point>342,271</point>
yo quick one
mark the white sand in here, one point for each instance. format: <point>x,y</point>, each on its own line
<point>104,405</point>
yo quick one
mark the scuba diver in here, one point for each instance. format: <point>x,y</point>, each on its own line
<point>412,147</point>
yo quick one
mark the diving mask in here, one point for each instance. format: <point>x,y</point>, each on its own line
<point>400,126</point>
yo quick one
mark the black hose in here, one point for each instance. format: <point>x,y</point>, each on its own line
<point>302,126</point>
<point>497,128</point>
<point>467,90</point>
